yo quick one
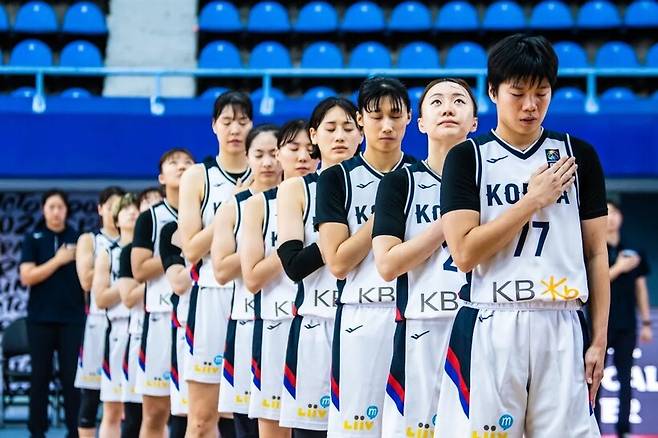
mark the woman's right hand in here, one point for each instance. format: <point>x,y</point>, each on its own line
<point>65,254</point>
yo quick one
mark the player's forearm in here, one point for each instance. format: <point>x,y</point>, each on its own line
<point>130,291</point>
<point>614,272</point>
<point>195,248</point>
<point>351,252</point>
<point>599,296</point>
<point>483,241</point>
<point>39,273</point>
<point>148,269</point>
<point>263,272</point>
<point>179,279</point>
<point>642,298</point>
<point>108,297</point>
<point>226,268</point>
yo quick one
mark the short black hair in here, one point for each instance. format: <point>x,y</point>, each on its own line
<point>144,193</point>
<point>321,110</point>
<point>56,192</point>
<point>457,81</point>
<point>108,192</point>
<point>376,88</point>
<point>289,131</point>
<point>240,102</point>
<point>260,129</point>
<point>168,153</point>
<point>521,57</point>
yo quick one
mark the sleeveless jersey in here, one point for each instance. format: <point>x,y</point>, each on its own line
<point>242,307</point>
<point>545,261</point>
<point>101,242</point>
<point>317,293</point>
<point>218,187</point>
<point>119,310</point>
<point>158,290</point>
<point>359,181</point>
<point>275,301</point>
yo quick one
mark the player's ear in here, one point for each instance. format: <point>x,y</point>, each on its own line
<point>161,179</point>
<point>475,124</point>
<point>421,126</point>
<point>492,94</point>
<point>212,125</point>
<point>359,119</point>
<point>313,135</point>
<point>409,113</point>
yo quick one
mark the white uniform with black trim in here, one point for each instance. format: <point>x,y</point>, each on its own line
<point>307,372</point>
<point>131,356</point>
<point>90,356</point>
<point>427,301</point>
<point>365,319</point>
<point>235,387</point>
<point>210,306</point>
<point>154,371</point>
<point>515,361</point>
<point>116,339</point>
<point>178,389</point>
<point>274,312</point>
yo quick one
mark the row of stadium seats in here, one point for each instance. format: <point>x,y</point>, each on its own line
<point>270,54</point>
<point>38,17</point>
<point>411,16</point>
<point>34,53</point>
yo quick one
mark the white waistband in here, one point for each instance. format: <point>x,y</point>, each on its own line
<point>527,305</point>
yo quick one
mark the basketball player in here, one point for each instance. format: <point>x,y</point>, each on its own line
<point>524,214</point>
<point>365,317</point>
<point>234,394</point>
<point>153,374</point>
<point>88,375</point>
<point>305,399</point>
<point>106,274</point>
<point>203,189</point>
<point>263,275</point>
<point>409,246</point>
<point>132,296</point>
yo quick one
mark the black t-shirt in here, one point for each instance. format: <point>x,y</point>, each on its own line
<point>390,205</point>
<point>59,298</point>
<point>622,291</point>
<point>125,267</point>
<point>459,190</point>
<point>143,236</point>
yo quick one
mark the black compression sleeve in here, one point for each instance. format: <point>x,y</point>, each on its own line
<point>125,267</point>
<point>143,237</point>
<point>459,189</point>
<point>390,203</point>
<point>299,261</point>
<point>593,200</point>
<point>170,253</point>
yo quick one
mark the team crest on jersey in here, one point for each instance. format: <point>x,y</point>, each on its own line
<point>552,156</point>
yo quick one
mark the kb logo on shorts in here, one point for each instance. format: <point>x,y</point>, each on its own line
<point>362,422</point>
<point>207,367</point>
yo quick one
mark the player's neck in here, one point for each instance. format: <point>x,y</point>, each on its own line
<point>258,186</point>
<point>126,237</point>
<point>383,161</point>
<point>518,140</point>
<point>437,149</point>
<point>234,163</point>
<point>56,227</point>
<point>110,231</point>
<point>171,196</point>
<point>613,238</point>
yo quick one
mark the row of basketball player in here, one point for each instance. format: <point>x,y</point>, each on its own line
<point>296,286</point>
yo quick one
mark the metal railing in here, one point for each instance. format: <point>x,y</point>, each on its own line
<point>266,104</point>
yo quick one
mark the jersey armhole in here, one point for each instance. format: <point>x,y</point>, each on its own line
<point>238,218</point>
<point>571,154</point>
<point>206,188</point>
<point>307,201</point>
<point>478,163</point>
<point>266,215</point>
<point>410,191</point>
<point>153,227</point>
<point>348,188</point>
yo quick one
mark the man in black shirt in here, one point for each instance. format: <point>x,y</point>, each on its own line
<point>628,290</point>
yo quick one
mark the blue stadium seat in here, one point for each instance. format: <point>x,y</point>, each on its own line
<point>220,54</point>
<point>31,53</point>
<point>568,98</point>
<point>618,94</point>
<point>270,54</point>
<point>80,54</point>
<point>616,54</point>
<point>598,14</point>
<point>318,93</point>
<point>363,17</point>
<point>418,55</point>
<point>322,54</point>
<point>268,17</point>
<point>4,20</point>
<point>410,16</point>
<point>213,92</point>
<point>457,16</point>
<point>370,55</point>
<point>654,96</point>
<point>75,93</point>
<point>84,18</point>
<point>275,94</point>
<point>571,55</point>
<point>652,56</point>
<point>551,14</point>
<point>466,55</point>
<point>220,16</point>
<point>642,13</point>
<point>317,17</point>
<point>27,92</point>
<point>36,17</point>
<point>503,15</point>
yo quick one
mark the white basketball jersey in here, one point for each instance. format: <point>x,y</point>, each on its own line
<point>158,290</point>
<point>431,289</point>
<point>364,285</point>
<point>119,310</point>
<point>218,187</point>
<point>545,261</point>
<point>102,242</point>
<point>275,300</point>
<point>242,307</point>
<point>317,293</point>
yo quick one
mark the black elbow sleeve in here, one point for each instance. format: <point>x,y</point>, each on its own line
<point>299,261</point>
